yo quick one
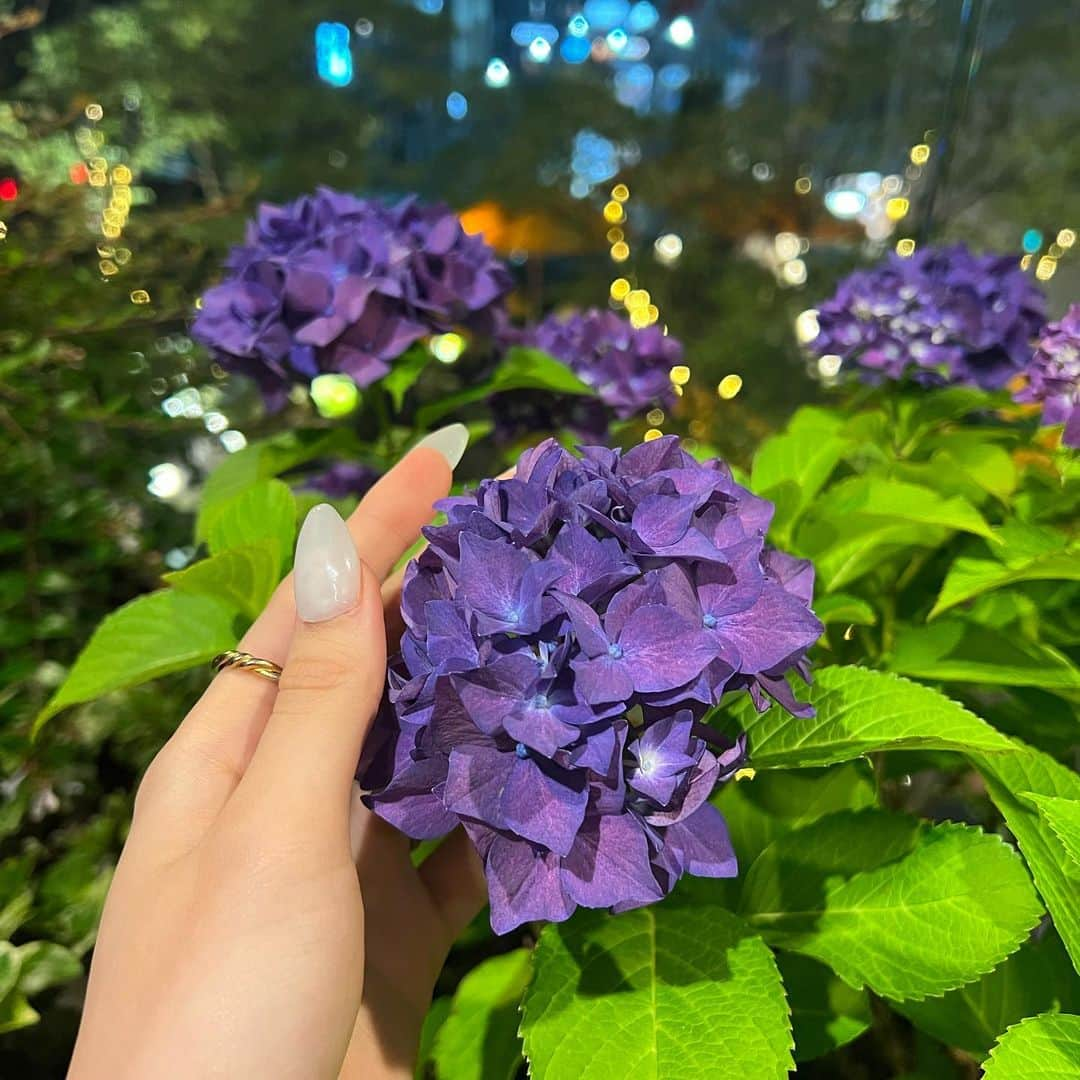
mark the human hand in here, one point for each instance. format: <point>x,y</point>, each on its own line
<point>262,922</point>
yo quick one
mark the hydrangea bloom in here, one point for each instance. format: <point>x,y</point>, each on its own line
<point>566,631</point>
<point>1053,377</point>
<point>944,315</point>
<point>342,479</point>
<point>331,282</point>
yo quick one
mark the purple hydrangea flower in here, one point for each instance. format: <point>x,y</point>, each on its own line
<point>331,282</point>
<point>1053,377</point>
<point>342,479</point>
<point>944,315</point>
<point>566,631</point>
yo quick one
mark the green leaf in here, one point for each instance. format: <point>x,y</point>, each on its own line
<point>152,636</point>
<point>9,967</point>
<point>522,369</point>
<point>263,460</point>
<point>479,1039</point>
<point>243,577</point>
<point>670,991</point>
<point>971,576</point>
<point>1045,1047</point>
<point>984,463</point>
<point>904,908</point>
<point>760,809</point>
<point>403,374</point>
<point>433,1022</point>
<point>1038,978</point>
<point>924,412</point>
<point>45,964</point>
<point>1063,816</point>
<point>825,1011</point>
<point>1031,771</point>
<point>958,650</point>
<point>845,609</point>
<point>16,1012</point>
<point>264,512</point>
<point>858,711</point>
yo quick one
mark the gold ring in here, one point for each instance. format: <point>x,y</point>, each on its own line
<point>246,662</point>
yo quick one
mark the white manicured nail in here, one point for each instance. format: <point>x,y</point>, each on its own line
<point>326,570</point>
<point>450,441</point>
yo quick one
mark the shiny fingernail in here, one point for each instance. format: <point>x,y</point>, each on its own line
<point>326,570</point>
<point>450,441</point>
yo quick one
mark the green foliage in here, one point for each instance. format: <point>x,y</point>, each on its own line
<point>265,512</point>
<point>669,991</point>
<point>825,1012</point>
<point>1046,1046</point>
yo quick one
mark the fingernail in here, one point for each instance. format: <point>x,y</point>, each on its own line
<point>326,570</point>
<point>450,441</point>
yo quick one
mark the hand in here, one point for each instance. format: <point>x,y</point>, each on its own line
<point>262,922</point>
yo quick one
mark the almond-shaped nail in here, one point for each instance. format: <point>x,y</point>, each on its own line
<point>326,570</point>
<point>450,441</point>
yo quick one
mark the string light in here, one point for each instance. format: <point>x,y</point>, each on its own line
<point>905,248</point>
<point>620,251</point>
<point>1066,238</point>
<point>651,434</point>
<point>620,193</point>
<point>620,289</point>
<point>679,374</point>
<point>1045,268</point>
<point>729,387</point>
<point>803,185</point>
<point>920,154</point>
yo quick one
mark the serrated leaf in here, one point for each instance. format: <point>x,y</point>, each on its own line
<point>479,1039</point>
<point>1063,816</point>
<point>857,711</point>
<point>844,609</point>
<point>152,636</point>
<point>521,369</point>
<point>1038,978</point>
<point>243,577</point>
<point>825,1011</point>
<point>44,964</point>
<point>1031,771</point>
<point>1045,1047</point>
<point>403,374</point>
<point>263,460</point>
<point>661,993</point>
<point>906,909</point>
<point>956,650</point>
<point>265,512</point>
<point>970,576</point>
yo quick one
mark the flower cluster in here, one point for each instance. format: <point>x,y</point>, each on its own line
<point>1053,377</point>
<point>627,367</point>
<point>944,315</point>
<point>566,630</point>
<point>342,479</point>
<point>333,283</point>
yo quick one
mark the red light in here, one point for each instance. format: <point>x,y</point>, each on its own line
<point>78,173</point>
<point>9,190</point>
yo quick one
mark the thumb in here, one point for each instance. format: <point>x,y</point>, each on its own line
<point>332,679</point>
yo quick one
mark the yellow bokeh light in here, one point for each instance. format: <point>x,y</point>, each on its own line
<point>655,417</point>
<point>1055,251</point>
<point>803,185</point>
<point>121,175</point>
<point>97,179</point>
<point>122,256</point>
<point>1025,262</point>
<point>3,230</point>
<point>620,193</point>
<point>905,247</point>
<point>639,318</point>
<point>94,111</point>
<point>806,326</point>
<point>653,312</point>
<point>729,387</point>
<point>745,774</point>
<point>614,213</point>
<point>897,208</point>
<point>637,298</point>
<point>920,154</point>
<point>620,252</point>
<point>446,348</point>
<point>335,395</point>
<point>140,296</point>
<point>620,288</point>
<point>678,390</point>
<point>1066,238</point>
<point>107,267</point>
<point>615,234</point>
<point>1045,268</point>
<point>653,433</point>
<point>679,374</point>
<point>110,232</point>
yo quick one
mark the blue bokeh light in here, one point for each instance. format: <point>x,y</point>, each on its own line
<point>574,50</point>
<point>457,105</point>
<point>333,59</point>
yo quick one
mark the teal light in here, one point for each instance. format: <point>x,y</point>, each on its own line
<point>1032,241</point>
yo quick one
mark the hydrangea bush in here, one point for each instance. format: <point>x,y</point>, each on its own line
<point>1053,376</point>
<point>567,630</point>
<point>944,315</point>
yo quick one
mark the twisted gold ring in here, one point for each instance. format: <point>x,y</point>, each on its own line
<point>246,662</point>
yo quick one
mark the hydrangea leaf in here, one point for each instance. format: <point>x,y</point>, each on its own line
<point>16,1012</point>
<point>760,809</point>
<point>1038,978</point>
<point>1063,816</point>
<point>1046,1046</point>
<point>10,962</point>
<point>264,512</point>
<point>1031,771</point>
<point>825,1011</point>
<point>984,463</point>
<point>958,650</point>
<point>154,635</point>
<point>404,373</point>
<point>906,909</point>
<point>243,577</point>
<point>673,992</point>
<point>44,964</point>
<point>858,711</point>
<point>970,576</point>
<point>846,609</point>
<point>437,1013</point>
<point>478,1039</point>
